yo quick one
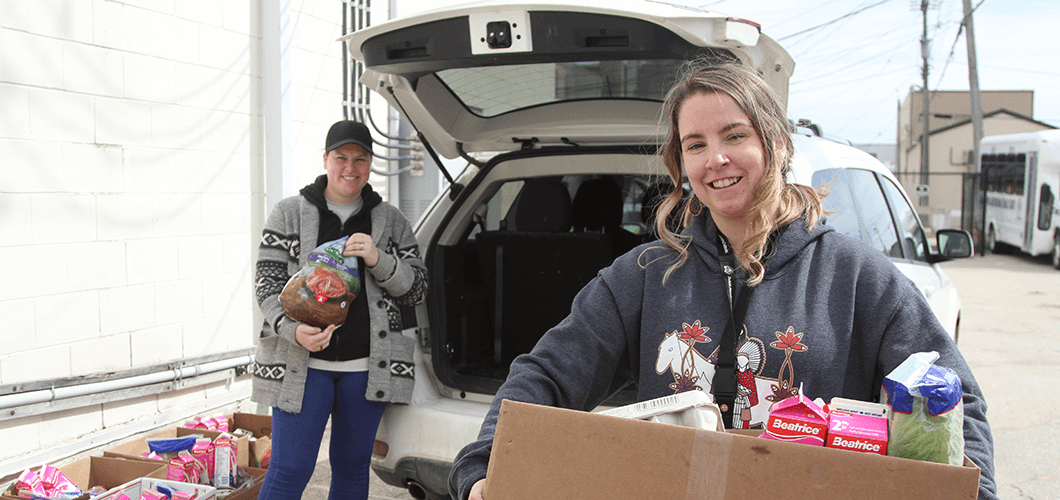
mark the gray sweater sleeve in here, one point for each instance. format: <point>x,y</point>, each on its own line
<point>278,251</point>
<point>400,270</point>
<point>914,328</point>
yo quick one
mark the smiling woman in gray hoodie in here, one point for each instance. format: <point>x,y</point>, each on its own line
<point>824,312</point>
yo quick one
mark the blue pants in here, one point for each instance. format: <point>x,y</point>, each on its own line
<point>296,437</point>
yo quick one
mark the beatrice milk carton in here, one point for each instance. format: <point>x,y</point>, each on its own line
<point>797,420</point>
<point>857,426</point>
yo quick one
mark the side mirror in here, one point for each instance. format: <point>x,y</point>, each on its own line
<point>954,243</point>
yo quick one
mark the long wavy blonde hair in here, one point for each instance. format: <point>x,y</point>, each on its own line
<point>762,106</point>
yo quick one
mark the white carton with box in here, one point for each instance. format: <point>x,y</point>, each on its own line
<point>688,409</point>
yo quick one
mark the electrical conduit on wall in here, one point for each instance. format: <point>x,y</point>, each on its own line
<point>176,374</point>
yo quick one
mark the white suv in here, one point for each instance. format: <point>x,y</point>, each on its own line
<point>555,109</point>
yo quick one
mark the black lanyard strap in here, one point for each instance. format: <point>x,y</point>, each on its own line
<point>724,383</point>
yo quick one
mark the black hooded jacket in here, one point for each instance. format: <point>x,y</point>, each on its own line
<point>350,340</point>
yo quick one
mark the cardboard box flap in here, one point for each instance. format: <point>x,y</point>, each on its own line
<point>545,452</point>
<point>259,425</point>
<point>107,472</point>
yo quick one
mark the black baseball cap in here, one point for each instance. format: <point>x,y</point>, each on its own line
<point>348,132</point>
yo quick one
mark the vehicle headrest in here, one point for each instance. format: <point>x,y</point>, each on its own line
<point>543,205</point>
<point>596,205</point>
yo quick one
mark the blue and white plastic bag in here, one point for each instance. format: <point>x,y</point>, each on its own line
<point>926,411</point>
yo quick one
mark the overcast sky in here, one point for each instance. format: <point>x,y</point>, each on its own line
<point>856,60</point>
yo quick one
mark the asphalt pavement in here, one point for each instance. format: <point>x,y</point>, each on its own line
<point>1010,335</point>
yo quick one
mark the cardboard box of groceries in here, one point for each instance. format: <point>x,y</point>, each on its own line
<point>101,471</point>
<point>249,493</point>
<point>546,452</point>
<point>260,427</point>
<point>137,448</point>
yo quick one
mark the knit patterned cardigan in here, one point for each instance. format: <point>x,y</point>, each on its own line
<point>398,279</point>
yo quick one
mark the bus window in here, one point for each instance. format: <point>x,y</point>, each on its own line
<point>1045,208</point>
<point>1014,178</point>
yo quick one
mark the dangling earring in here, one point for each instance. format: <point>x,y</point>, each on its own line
<point>695,206</point>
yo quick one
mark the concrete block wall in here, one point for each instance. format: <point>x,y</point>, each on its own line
<point>316,97</point>
<point>131,194</point>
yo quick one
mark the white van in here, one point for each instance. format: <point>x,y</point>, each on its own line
<point>1021,179</point>
<point>555,109</point>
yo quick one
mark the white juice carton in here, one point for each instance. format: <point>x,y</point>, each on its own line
<point>224,461</point>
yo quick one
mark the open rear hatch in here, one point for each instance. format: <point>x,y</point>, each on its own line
<point>568,96</point>
<point>490,77</point>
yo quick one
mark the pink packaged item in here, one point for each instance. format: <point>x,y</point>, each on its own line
<point>47,482</point>
<point>49,475</point>
<point>183,468</point>
<point>28,484</point>
<point>203,451</point>
<point>180,495</point>
<point>149,494</point>
<point>151,455</point>
<point>208,423</point>
<point>122,496</point>
<point>857,426</point>
<point>55,482</point>
<point>797,420</point>
<point>217,423</point>
<point>223,424</point>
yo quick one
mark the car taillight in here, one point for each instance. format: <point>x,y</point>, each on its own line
<point>380,449</point>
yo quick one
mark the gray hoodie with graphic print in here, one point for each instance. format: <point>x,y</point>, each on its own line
<point>832,316</point>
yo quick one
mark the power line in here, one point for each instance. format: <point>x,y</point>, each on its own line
<point>819,26</point>
<point>804,12</point>
<point>870,59</point>
<point>949,58</point>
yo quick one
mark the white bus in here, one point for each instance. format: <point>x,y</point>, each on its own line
<point>1021,176</point>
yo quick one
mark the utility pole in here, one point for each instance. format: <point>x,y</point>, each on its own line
<point>973,83</point>
<point>977,222</point>
<point>925,112</point>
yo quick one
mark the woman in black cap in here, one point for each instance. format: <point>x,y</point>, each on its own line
<point>344,372</point>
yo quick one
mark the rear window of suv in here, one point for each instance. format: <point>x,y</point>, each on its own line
<point>493,90</point>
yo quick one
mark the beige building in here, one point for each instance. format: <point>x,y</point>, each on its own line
<point>938,193</point>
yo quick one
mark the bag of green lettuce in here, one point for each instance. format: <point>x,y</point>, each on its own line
<point>926,412</point>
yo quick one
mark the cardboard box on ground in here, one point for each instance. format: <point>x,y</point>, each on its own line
<point>260,444</point>
<point>111,473</point>
<point>133,449</point>
<point>252,451</point>
<point>103,471</point>
<point>123,464</point>
<point>545,452</point>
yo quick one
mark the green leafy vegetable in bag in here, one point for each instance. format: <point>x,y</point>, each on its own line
<point>926,412</point>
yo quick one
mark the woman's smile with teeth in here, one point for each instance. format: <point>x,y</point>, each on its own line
<point>724,183</point>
